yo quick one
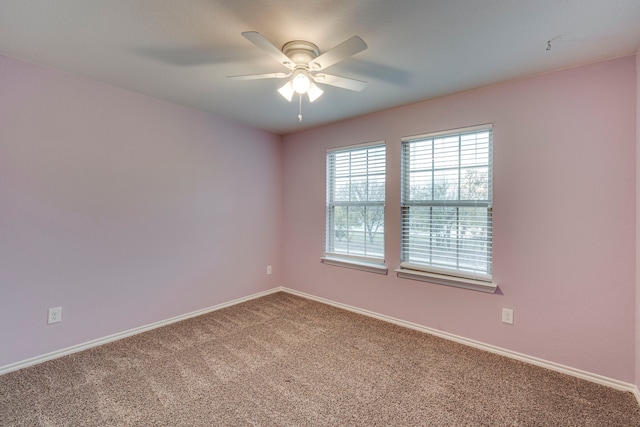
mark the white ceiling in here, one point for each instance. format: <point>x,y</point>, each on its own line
<point>181,51</point>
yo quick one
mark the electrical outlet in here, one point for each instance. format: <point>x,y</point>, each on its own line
<point>268,269</point>
<point>55,315</point>
<point>507,316</point>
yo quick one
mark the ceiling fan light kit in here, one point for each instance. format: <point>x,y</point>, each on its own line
<point>304,61</point>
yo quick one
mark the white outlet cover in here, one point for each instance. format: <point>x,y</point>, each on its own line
<point>54,315</point>
<point>507,316</point>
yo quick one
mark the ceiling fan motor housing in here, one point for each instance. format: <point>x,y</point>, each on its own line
<point>301,53</point>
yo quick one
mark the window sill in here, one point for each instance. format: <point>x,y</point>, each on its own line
<point>371,267</point>
<point>442,279</point>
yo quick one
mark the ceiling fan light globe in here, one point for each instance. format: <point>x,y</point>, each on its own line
<point>301,82</point>
<point>287,91</point>
<point>314,92</point>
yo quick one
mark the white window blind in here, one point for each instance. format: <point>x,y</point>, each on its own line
<point>447,203</point>
<point>356,179</point>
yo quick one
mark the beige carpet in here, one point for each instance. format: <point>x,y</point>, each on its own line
<point>282,360</point>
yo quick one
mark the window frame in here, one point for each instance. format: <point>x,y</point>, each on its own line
<point>349,259</point>
<point>457,277</point>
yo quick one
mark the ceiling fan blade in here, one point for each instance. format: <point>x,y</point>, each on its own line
<point>260,76</point>
<point>264,44</point>
<point>344,50</point>
<point>342,82</point>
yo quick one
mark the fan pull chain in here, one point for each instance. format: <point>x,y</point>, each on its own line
<point>300,108</point>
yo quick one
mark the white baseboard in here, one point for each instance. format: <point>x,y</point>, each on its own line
<point>599,379</point>
<point>100,341</point>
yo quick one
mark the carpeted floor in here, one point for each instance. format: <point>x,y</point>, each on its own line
<point>282,360</point>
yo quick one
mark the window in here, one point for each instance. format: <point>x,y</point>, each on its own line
<point>447,208</point>
<point>356,179</point>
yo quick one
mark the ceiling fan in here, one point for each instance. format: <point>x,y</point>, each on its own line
<point>305,64</point>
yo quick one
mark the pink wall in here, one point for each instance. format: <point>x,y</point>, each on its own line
<point>564,217</point>
<point>124,210</point>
